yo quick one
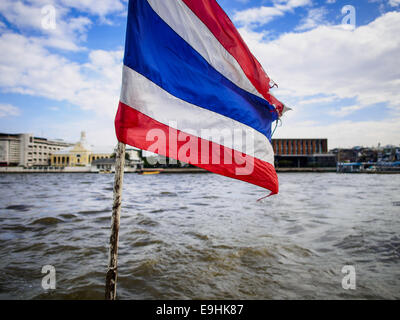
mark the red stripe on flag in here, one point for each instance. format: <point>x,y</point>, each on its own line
<point>217,21</point>
<point>134,128</point>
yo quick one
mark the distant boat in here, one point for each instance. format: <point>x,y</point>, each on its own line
<point>150,172</point>
<point>105,171</point>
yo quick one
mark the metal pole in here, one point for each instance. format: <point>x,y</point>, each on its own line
<point>112,272</point>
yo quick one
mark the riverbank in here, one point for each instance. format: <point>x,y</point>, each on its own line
<point>88,170</point>
<point>304,170</point>
<point>170,170</point>
<point>56,170</point>
<point>160,170</point>
<point>45,170</point>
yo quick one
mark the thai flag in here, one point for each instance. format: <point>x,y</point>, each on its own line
<point>192,91</point>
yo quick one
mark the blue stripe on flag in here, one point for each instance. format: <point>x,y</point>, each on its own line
<point>154,50</point>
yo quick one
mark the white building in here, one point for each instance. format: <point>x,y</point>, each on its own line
<point>27,150</point>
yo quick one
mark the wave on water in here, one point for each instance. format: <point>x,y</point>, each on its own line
<point>201,237</point>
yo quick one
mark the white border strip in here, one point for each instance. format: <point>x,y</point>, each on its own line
<point>188,26</point>
<point>140,93</point>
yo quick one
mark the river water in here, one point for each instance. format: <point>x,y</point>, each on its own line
<point>202,236</point>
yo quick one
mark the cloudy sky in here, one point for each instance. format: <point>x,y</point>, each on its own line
<point>60,76</point>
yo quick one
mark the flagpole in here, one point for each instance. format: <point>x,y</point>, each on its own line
<point>112,272</point>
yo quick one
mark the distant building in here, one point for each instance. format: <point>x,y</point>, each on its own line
<point>102,165</point>
<point>389,153</point>
<point>79,155</point>
<point>364,159</point>
<point>108,165</point>
<point>345,155</point>
<point>356,154</point>
<point>299,146</point>
<point>27,150</point>
<point>302,153</point>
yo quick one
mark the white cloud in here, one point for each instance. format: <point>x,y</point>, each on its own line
<point>394,3</point>
<point>344,111</point>
<point>315,18</point>
<point>69,30</point>
<point>101,8</point>
<point>99,129</point>
<point>28,68</point>
<point>8,110</point>
<point>21,14</point>
<point>319,100</point>
<point>331,61</point>
<point>291,4</point>
<point>262,15</point>
<point>28,17</point>
<point>346,134</point>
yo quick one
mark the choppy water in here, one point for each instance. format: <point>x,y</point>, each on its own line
<point>201,236</point>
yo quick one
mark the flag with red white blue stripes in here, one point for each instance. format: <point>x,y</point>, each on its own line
<point>193,91</point>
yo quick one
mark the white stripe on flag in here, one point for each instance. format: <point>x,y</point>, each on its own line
<point>143,95</point>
